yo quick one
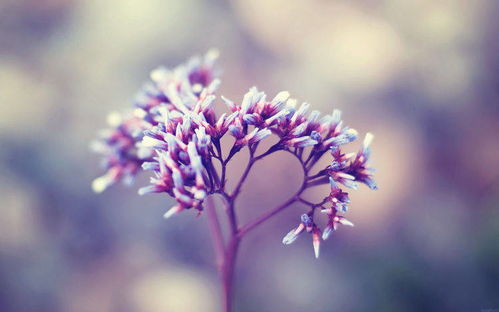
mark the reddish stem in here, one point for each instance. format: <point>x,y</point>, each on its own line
<point>227,272</point>
<point>216,231</point>
<point>226,256</point>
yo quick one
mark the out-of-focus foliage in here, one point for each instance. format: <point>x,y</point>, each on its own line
<point>421,75</point>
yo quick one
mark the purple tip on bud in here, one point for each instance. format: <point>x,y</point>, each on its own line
<point>316,241</point>
<point>149,165</point>
<point>236,131</point>
<point>368,140</point>
<point>148,141</point>
<point>259,135</point>
<point>251,119</point>
<point>293,234</point>
<point>345,137</point>
<point>307,221</point>
<point>148,190</point>
<point>100,184</point>
<point>301,142</point>
<point>173,211</point>
<point>277,116</point>
<point>229,103</point>
<point>350,184</point>
<point>336,116</point>
<point>249,100</point>
<point>343,221</point>
<point>290,237</point>
<point>315,136</point>
<point>327,231</point>
<point>371,183</point>
<point>281,97</point>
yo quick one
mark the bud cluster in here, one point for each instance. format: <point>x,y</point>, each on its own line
<point>174,132</point>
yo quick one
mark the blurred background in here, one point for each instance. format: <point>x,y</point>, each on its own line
<point>423,76</point>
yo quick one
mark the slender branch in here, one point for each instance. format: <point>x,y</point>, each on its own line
<point>274,148</point>
<point>306,202</point>
<point>320,181</point>
<point>309,164</point>
<point>248,227</point>
<point>212,174</point>
<point>310,156</point>
<point>245,229</point>
<point>311,204</point>
<point>237,189</point>
<point>318,175</point>
<point>231,213</point>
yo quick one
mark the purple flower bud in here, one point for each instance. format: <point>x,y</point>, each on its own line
<point>257,135</point>
<point>149,189</point>
<point>249,100</point>
<point>299,113</point>
<point>346,179</point>
<point>229,103</point>
<point>299,130</point>
<point>252,119</point>
<point>148,165</point>
<point>293,234</point>
<point>316,241</point>
<point>301,142</point>
<point>102,183</point>
<point>327,231</point>
<point>173,211</point>
<point>346,136</point>
<point>342,220</point>
<point>316,136</point>
<point>279,100</point>
<point>306,220</point>
<point>275,118</point>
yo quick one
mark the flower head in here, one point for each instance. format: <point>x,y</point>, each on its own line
<point>174,133</point>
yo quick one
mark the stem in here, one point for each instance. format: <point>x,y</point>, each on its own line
<point>227,272</point>
<point>216,232</point>
<point>230,255</point>
<point>246,172</point>
<point>226,256</point>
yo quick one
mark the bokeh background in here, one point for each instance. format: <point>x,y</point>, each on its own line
<point>423,76</point>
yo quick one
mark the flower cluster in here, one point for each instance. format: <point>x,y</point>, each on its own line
<point>174,132</point>
<point>174,91</point>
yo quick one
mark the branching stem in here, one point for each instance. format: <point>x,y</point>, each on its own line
<point>226,255</point>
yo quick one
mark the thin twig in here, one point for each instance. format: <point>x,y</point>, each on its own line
<point>248,227</point>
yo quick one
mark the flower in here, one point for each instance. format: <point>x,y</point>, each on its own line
<point>174,132</point>
<point>122,159</point>
<point>169,93</point>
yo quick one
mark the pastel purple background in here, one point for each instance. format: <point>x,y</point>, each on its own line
<point>423,76</point>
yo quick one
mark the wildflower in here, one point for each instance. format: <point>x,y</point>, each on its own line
<point>174,133</point>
